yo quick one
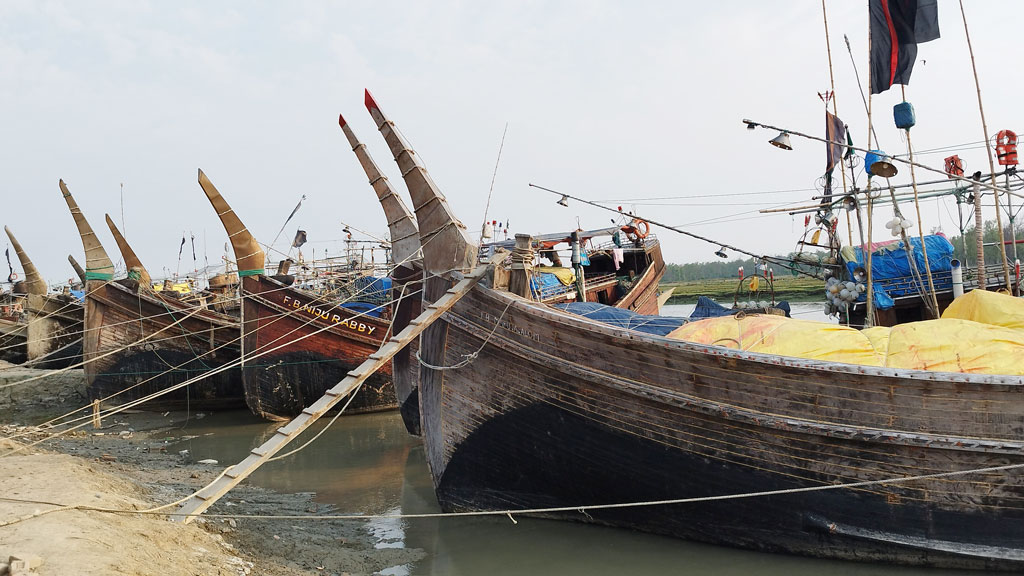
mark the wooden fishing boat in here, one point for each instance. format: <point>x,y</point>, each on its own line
<point>297,344</point>
<point>407,277</point>
<point>604,284</point>
<point>138,343</point>
<point>53,336</point>
<point>525,407</point>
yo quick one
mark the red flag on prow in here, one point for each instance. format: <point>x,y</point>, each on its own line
<point>897,27</point>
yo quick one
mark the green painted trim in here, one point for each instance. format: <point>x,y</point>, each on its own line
<point>244,273</point>
<point>98,276</point>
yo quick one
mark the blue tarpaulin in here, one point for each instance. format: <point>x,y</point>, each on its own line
<point>546,284</point>
<point>620,318</point>
<point>365,308</point>
<point>371,289</point>
<point>891,274</point>
<point>708,308</point>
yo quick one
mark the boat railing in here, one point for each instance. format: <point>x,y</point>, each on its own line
<point>648,241</point>
<point>546,293</point>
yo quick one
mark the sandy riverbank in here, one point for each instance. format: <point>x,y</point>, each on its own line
<point>126,465</point>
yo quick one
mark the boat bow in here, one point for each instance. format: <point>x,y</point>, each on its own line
<point>34,283</point>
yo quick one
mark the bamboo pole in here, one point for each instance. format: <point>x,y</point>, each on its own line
<point>870,318</point>
<point>835,110</point>
<point>920,227</point>
<point>979,237</point>
<point>991,164</point>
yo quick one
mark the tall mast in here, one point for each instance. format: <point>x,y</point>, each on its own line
<point>835,110</point>
<point>991,164</point>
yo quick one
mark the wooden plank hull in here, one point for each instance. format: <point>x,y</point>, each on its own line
<point>559,411</point>
<point>138,344</point>
<point>405,367</point>
<point>54,334</point>
<point>13,338</point>
<point>301,346</point>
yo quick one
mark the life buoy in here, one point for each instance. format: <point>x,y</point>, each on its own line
<point>640,228</point>
<point>13,277</point>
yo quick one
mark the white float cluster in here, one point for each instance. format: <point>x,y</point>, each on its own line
<point>841,294</point>
<point>897,225</point>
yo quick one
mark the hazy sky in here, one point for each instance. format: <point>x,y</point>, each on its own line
<point>605,100</point>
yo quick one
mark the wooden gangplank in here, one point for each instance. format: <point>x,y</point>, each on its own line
<point>206,497</point>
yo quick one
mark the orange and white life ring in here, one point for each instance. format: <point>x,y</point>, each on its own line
<point>642,228</point>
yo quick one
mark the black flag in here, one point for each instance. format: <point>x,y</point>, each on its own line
<point>897,27</point>
<point>300,239</point>
<point>835,133</point>
<point>10,275</point>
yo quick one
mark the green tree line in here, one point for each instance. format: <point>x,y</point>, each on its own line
<point>728,268</point>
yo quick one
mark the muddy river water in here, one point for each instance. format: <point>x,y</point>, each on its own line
<point>368,464</point>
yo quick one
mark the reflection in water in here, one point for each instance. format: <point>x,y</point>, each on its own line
<point>369,464</point>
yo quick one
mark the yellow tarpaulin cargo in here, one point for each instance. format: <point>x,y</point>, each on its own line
<point>783,336</point>
<point>945,345</point>
<point>988,308</point>
<point>879,338</point>
<point>952,345</point>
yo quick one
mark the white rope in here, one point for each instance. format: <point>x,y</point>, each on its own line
<point>180,385</point>
<point>509,512</point>
<point>467,359</point>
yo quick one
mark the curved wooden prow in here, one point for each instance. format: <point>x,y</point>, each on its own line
<point>405,234</point>
<point>446,244</point>
<point>34,283</point>
<point>248,254</point>
<point>131,261</point>
<point>78,267</point>
<point>97,264</point>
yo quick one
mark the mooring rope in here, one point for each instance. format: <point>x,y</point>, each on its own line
<point>511,512</point>
<point>468,359</point>
<point>189,381</point>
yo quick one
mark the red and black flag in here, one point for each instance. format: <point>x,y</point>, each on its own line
<point>897,27</point>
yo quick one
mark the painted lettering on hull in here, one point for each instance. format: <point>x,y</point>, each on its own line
<point>325,314</point>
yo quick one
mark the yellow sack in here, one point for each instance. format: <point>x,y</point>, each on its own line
<point>783,336</point>
<point>953,345</point>
<point>565,275</point>
<point>988,308</point>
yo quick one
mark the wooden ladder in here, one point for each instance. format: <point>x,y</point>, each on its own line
<point>206,497</point>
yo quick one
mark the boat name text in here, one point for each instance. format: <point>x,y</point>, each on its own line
<point>326,315</point>
<point>508,325</point>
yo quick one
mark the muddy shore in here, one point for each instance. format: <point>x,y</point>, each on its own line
<point>130,463</point>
